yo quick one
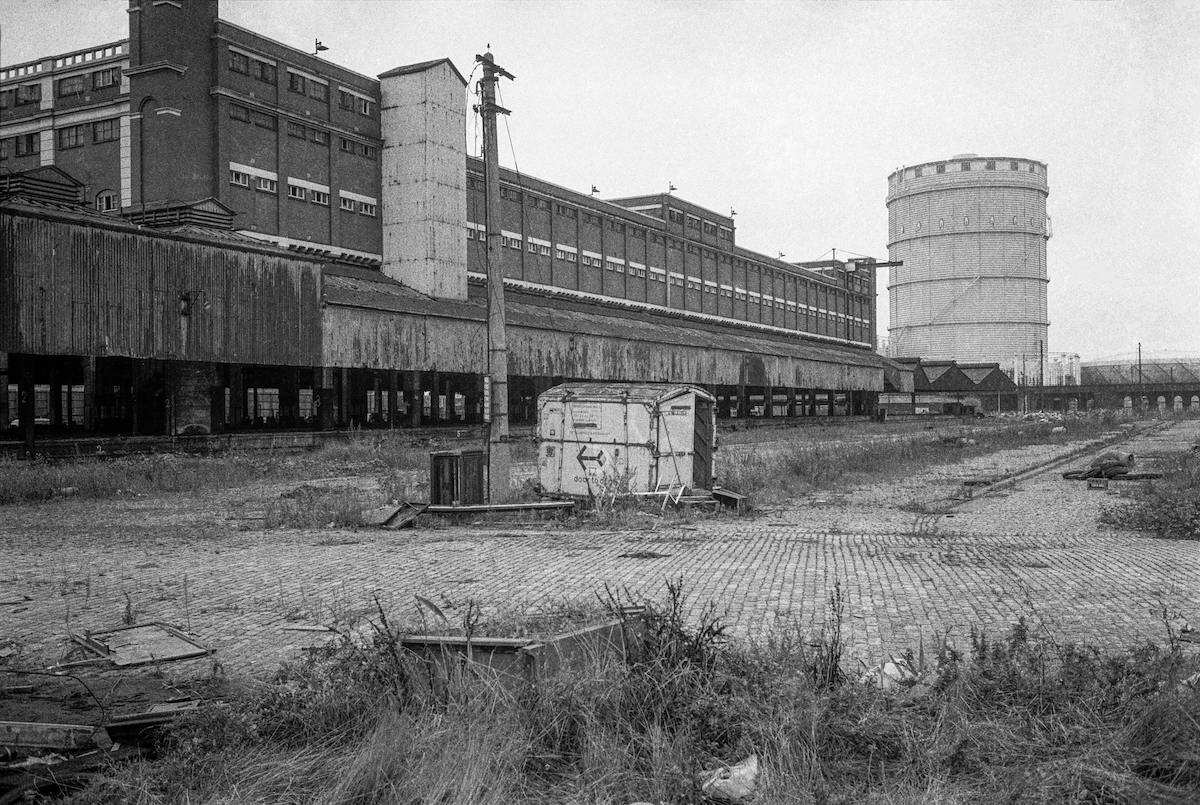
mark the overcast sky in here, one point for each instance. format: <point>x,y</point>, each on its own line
<point>795,113</point>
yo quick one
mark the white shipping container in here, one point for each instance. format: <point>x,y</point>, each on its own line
<point>606,438</point>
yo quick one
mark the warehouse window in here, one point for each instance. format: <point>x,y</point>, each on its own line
<point>368,151</point>
<point>543,250</point>
<point>710,229</point>
<point>267,185</point>
<point>264,72</point>
<point>296,83</point>
<point>347,145</point>
<point>29,93</point>
<point>263,120</point>
<point>297,192</point>
<point>106,78</point>
<point>319,197</point>
<point>533,247</point>
<point>106,201</point>
<point>296,130</point>
<point>104,130</point>
<point>239,178</point>
<point>319,136</point>
<point>4,148</point>
<point>239,113</point>
<point>346,204</point>
<point>965,166</point>
<point>71,86</point>
<point>239,62</point>
<point>917,172</point>
<point>70,137</point>
<point>991,165</point>
<point>616,226</point>
<point>941,168</point>
<point>318,90</point>
<point>366,107</point>
<point>693,222</point>
<point>1012,166</point>
<point>345,100</point>
<point>365,208</point>
<point>567,212</point>
<point>674,215</point>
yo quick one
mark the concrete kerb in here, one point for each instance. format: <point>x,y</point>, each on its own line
<point>1011,479</point>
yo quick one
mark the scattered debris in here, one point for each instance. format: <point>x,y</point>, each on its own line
<point>1105,465</point>
<point>643,555</point>
<point>142,729</point>
<point>733,783</point>
<point>141,644</point>
<point>75,773</point>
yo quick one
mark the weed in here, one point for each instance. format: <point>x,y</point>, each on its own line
<point>1015,718</point>
<point>1168,508</point>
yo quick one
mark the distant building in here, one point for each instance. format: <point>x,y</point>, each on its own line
<point>198,132</point>
<point>971,232</point>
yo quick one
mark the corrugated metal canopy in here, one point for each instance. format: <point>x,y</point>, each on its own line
<point>374,291</point>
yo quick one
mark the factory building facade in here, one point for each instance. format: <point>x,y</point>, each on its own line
<point>201,129</point>
<point>971,232</point>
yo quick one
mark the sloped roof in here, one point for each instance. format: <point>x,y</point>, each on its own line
<point>421,67</point>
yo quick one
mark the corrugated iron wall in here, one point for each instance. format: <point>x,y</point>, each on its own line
<point>359,337</point>
<point>68,288</point>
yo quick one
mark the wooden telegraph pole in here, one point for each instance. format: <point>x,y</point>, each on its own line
<point>499,453</point>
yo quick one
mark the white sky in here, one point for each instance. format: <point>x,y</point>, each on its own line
<point>795,113</point>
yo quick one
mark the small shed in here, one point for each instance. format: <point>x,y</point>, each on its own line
<point>620,438</point>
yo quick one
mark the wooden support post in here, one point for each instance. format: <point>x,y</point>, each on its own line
<point>791,402</point>
<point>393,404</point>
<point>89,392</point>
<point>27,411</point>
<point>413,398</point>
<point>237,396</point>
<point>768,401</point>
<point>436,414</point>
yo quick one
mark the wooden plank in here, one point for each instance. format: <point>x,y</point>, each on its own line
<point>34,735</point>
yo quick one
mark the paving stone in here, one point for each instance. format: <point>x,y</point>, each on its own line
<point>1036,550</point>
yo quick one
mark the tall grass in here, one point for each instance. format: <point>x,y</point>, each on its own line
<point>1169,507</point>
<point>812,464</point>
<point>1013,719</point>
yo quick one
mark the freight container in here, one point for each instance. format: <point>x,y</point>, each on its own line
<point>621,438</point>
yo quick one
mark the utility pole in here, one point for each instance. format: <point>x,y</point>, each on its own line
<point>499,453</point>
<point>1141,385</point>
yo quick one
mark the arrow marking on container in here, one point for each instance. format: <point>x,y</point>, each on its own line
<point>584,457</point>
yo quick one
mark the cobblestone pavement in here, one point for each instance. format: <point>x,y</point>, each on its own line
<point>906,572</point>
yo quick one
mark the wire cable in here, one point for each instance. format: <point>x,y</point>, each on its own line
<point>59,674</point>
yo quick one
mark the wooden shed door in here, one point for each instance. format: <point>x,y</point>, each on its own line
<point>702,458</point>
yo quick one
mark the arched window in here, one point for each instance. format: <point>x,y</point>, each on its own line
<point>106,201</point>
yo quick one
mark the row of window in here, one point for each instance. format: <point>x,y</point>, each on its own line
<point>71,85</point>
<point>78,84</point>
<point>1033,223</point>
<point>103,131</point>
<point>302,85</point>
<point>268,185</point>
<point>966,166</point>
<point>299,131</point>
<point>570,255</point>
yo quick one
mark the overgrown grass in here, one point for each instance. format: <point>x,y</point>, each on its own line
<point>815,464</point>
<point>40,480</point>
<point>400,464</point>
<point>1017,719</point>
<point>1169,507</point>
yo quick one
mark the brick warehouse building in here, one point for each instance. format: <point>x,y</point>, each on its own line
<point>199,131</point>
